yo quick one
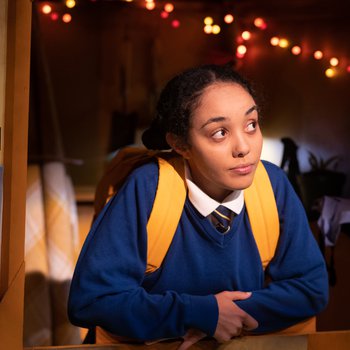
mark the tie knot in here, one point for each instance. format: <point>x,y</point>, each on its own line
<point>223,217</point>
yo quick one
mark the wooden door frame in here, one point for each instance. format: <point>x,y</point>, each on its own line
<point>15,25</point>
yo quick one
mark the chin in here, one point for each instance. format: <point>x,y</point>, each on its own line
<point>243,183</point>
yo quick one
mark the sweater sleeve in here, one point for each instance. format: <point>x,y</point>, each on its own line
<point>106,289</point>
<point>299,283</point>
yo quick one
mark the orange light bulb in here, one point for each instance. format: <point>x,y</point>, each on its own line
<point>334,61</point>
<point>208,29</point>
<point>274,41</point>
<point>169,7</point>
<point>46,9</point>
<point>246,35</point>
<point>318,55</point>
<point>260,23</point>
<point>150,6</point>
<point>66,18</point>
<point>296,50</point>
<point>229,18</point>
<point>242,49</point>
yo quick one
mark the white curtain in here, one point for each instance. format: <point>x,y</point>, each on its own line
<point>51,250</point>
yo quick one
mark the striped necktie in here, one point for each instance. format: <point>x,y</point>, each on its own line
<point>222,218</point>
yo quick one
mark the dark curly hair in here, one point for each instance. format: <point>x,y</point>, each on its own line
<point>181,96</point>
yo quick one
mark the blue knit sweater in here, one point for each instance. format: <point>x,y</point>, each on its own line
<point>109,287</point>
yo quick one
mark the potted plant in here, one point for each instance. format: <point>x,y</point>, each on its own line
<point>322,180</point>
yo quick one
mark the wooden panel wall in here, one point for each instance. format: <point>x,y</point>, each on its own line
<point>14,70</point>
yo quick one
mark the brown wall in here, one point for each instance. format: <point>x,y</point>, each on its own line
<point>87,59</point>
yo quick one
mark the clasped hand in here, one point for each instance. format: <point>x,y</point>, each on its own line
<point>231,322</point>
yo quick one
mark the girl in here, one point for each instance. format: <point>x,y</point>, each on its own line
<point>211,282</point>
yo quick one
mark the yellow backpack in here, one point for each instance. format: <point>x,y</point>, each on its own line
<point>170,198</point>
<point>168,205</point>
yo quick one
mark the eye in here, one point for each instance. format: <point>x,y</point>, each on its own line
<point>252,126</point>
<point>220,134</point>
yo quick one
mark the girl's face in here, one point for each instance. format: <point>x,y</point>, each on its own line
<point>224,140</point>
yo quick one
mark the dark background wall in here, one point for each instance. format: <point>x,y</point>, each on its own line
<point>114,58</point>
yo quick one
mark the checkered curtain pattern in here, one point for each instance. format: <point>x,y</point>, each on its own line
<point>51,250</point>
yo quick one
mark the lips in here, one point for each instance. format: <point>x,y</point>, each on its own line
<point>243,169</point>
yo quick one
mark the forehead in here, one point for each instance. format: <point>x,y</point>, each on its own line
<point>220,97</point>
<point>225,89</point>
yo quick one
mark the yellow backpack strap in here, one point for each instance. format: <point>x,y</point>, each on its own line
<point>168,203</point>
<point>263,215</point>
<point>126,160</point>
<point>166,212</point>
<point>170,199</point>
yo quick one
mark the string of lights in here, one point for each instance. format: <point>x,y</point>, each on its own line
<point>334,66</point>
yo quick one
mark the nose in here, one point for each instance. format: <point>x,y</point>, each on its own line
<point>240,146</point>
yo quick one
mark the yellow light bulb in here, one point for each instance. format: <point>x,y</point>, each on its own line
<point>283,43</point>
<point>330,73</point>
<point>70,3</point>
<point>216,29</point>
<point>208,20</point>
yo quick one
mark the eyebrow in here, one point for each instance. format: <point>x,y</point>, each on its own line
<point>251,109</point>
<point>220,119</point>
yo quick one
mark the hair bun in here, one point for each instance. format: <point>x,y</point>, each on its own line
<point>154,138</point>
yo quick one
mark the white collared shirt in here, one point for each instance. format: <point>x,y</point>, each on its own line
<point>205,204</point>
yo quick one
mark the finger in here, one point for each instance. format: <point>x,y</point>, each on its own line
<point>190,338</point>
<point>189,342</point>
<point>193,333</point>
<point>239,295</point>
<point>250,323</point>
<point>185,345</point>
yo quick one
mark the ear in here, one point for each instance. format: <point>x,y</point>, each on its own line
<point>178,144</point>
